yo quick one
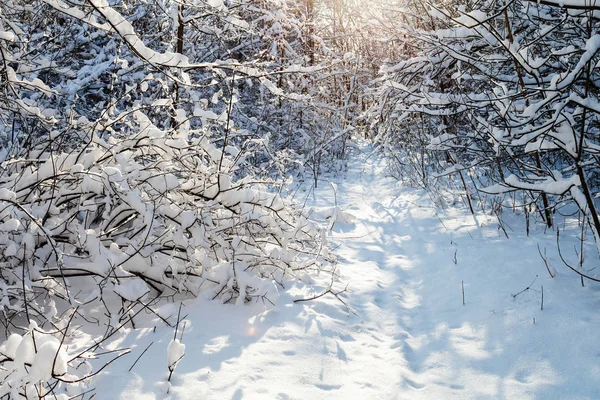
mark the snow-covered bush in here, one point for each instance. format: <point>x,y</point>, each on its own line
<point>138,217</point>
<point>130,174</point>
<point>147,207</point>
<point>501,98</point>
<point>30,360</point>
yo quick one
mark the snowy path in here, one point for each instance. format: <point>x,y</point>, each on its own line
<point>411,338</point>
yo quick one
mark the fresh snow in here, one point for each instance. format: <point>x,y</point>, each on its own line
<point>406,334</point>
<point>175,353</point>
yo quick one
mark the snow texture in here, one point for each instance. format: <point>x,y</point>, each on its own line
<point>175,353</point>
<point>411,337</point>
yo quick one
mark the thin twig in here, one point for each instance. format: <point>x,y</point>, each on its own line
<point>140,356</point>
<point>527,288</point>
<point>545,259</point>
<point>570,266</point>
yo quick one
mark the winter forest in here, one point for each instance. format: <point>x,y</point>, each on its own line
<point>299,199</point>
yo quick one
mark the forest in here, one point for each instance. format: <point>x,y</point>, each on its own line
<point>154,153</point>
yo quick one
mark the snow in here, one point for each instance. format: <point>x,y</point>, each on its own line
<point>215,3</point>
<point>175,353</point>
<point>132,289</point>
<point>76,13</point>
<point>11,250</point>
<point>473,18</point>
<point>555,185</point>
<point>271,87</point>
<point>126,31</point>
<point>49,360</point>
<point>31,358</point>
<point>552,186</point>
<point>9,348</point>
<point>8,36</point>
<point>6,194</point>
<point>10,225</point>
<point>406,335</point>
<point>591,48</point>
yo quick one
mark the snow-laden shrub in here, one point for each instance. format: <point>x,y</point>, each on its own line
<point>137,168</point>
<point>123,221</point>
<point>146,212</point>
<point>494,100</point>
<point>30,359</point>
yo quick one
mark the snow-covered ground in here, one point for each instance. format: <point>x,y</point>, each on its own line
<point>409,335</point>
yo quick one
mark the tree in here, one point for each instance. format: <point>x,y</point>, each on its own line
<point>504,92</point>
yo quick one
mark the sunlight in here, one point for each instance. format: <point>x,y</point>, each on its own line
<point>470,341</point>
<point>276,199</point>
<point>216,344</point>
